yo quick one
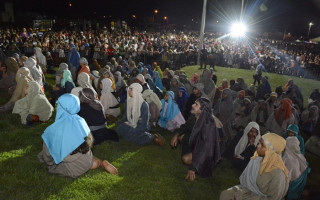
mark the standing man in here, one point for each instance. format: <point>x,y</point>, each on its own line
<point>200,148</point>
<point>258,74</point>
<point>203,57</point>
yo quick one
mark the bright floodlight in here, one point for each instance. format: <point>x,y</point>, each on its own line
<point>238,29</point>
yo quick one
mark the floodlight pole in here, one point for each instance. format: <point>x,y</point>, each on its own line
<point>203,24</point>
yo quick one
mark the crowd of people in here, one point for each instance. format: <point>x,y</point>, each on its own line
<point>255,127</point>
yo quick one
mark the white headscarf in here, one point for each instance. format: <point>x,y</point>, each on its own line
<point>106,86</point>
<point>118,83</point>
<point>84,80</point>
<point>36,72</point>
<point>150,96</point>
<point>140,77</point>
<point>134,104</point>
<point>41,58</point>
<point>293,159</point>
<point>243,142</point>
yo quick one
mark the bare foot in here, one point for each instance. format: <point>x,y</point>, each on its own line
<point>109,167</point>
<point>96,163</point>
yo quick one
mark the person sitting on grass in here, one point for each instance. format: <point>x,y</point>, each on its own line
<point>108,100</point>
<point>246,146</point>
<point>67,142</point>
<point>293,131</point>
<point>34,107</point>
<point>200,148</point>
<point>134,125</point>
<point>298,168</point>
<point>66,84</point>
<point>170,116</point>
<point>154,106</point>
<point>266,176</point>
<point>92,111</point>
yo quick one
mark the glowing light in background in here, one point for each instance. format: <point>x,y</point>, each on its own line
<point>238,29</point>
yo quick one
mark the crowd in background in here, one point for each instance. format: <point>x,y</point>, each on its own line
<point>99,71</point>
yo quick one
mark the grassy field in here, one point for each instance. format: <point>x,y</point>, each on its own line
<point>145,172</point>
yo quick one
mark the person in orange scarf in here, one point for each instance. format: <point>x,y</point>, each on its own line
<point>266,176</point>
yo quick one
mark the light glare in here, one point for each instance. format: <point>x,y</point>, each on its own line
<point>238,29</point>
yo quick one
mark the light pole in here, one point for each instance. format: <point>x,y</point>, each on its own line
<point>310,24</point>
<point>203,23</point>
<point>155,12</point>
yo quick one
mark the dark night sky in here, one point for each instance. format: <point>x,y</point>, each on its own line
<point>292,15</point>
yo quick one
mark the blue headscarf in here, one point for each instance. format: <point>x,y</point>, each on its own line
<point>68,131</point>
<point>141,67</point>
<point>66,77</point>
<point>267,86</point>
<point>158,81</point>
<point>149,70</point>
<point>126,68</point>
<point>184,97</point>
<point>171,112</point>
<point>295,129</point>
<point>75,57</point>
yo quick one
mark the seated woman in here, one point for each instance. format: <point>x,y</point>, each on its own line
<point>83,81</point>
<point>309,119</point>
<point>182,99</point>
<point>170,116</point>
<point>293,131</point>
<point>34,107</point>
<point>266,176</point>
<point>121,87</point>
<point>62,67</point>
<point>134,125</point>
<point>157,80</point>
<point>92,111</point>
<point>154,106</point>
<point>246,146</point>
<point>67,142</point>
<point>297,166</point>
<point>261,115</point>
<point>66,84</point>
<point>194,79</point>
<point>108,100</point>
<point>283,116</point>
<point>23,76</point>
<point>35,70</point>
<point>9,79</point>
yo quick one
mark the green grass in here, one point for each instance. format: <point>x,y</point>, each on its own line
<point>145,172</point>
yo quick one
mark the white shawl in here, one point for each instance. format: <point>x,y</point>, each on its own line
<point>134,104</point>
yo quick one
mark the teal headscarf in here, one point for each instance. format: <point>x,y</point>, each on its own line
<point>66,77</point>
<point>295,129</point>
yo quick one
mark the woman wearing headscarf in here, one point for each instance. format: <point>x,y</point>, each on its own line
<point>263,89</point>
<point>224,84</point>
<point>34,107</point>
<point>297,166</point>
<point>184,80</point>
<point>73,60</point>
<point>134,125</point>
<point>266,176</point>
<point>170,116</point>
<point>36,72</point>
<point>83,81</point>
<point>283,116</point>
<point>9,79</point>
<point>67,142</point>
<point>209,86</point>
<point>23,76</point>
<point>246,146</point>
<point>63,66</point>
<point>175,85</point>
<point>182,99</point>
<point>167,77</point>
<point>66,84</point>
<point>154,106</point>
<point>92,111</point>
<point>156,68</point>
<point>293,131</point>
<point>84,66</point>
<point>108,100</point>
<point>225,112</point>
<point>41,59</point>
<point>153,86</point>
<point>195,79</point>
<point>140,79</point>
<point>133,76</point>
<point>309,119</point>
<point>121,87</point>
<point>157,80</point>
<point>200,149</point>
